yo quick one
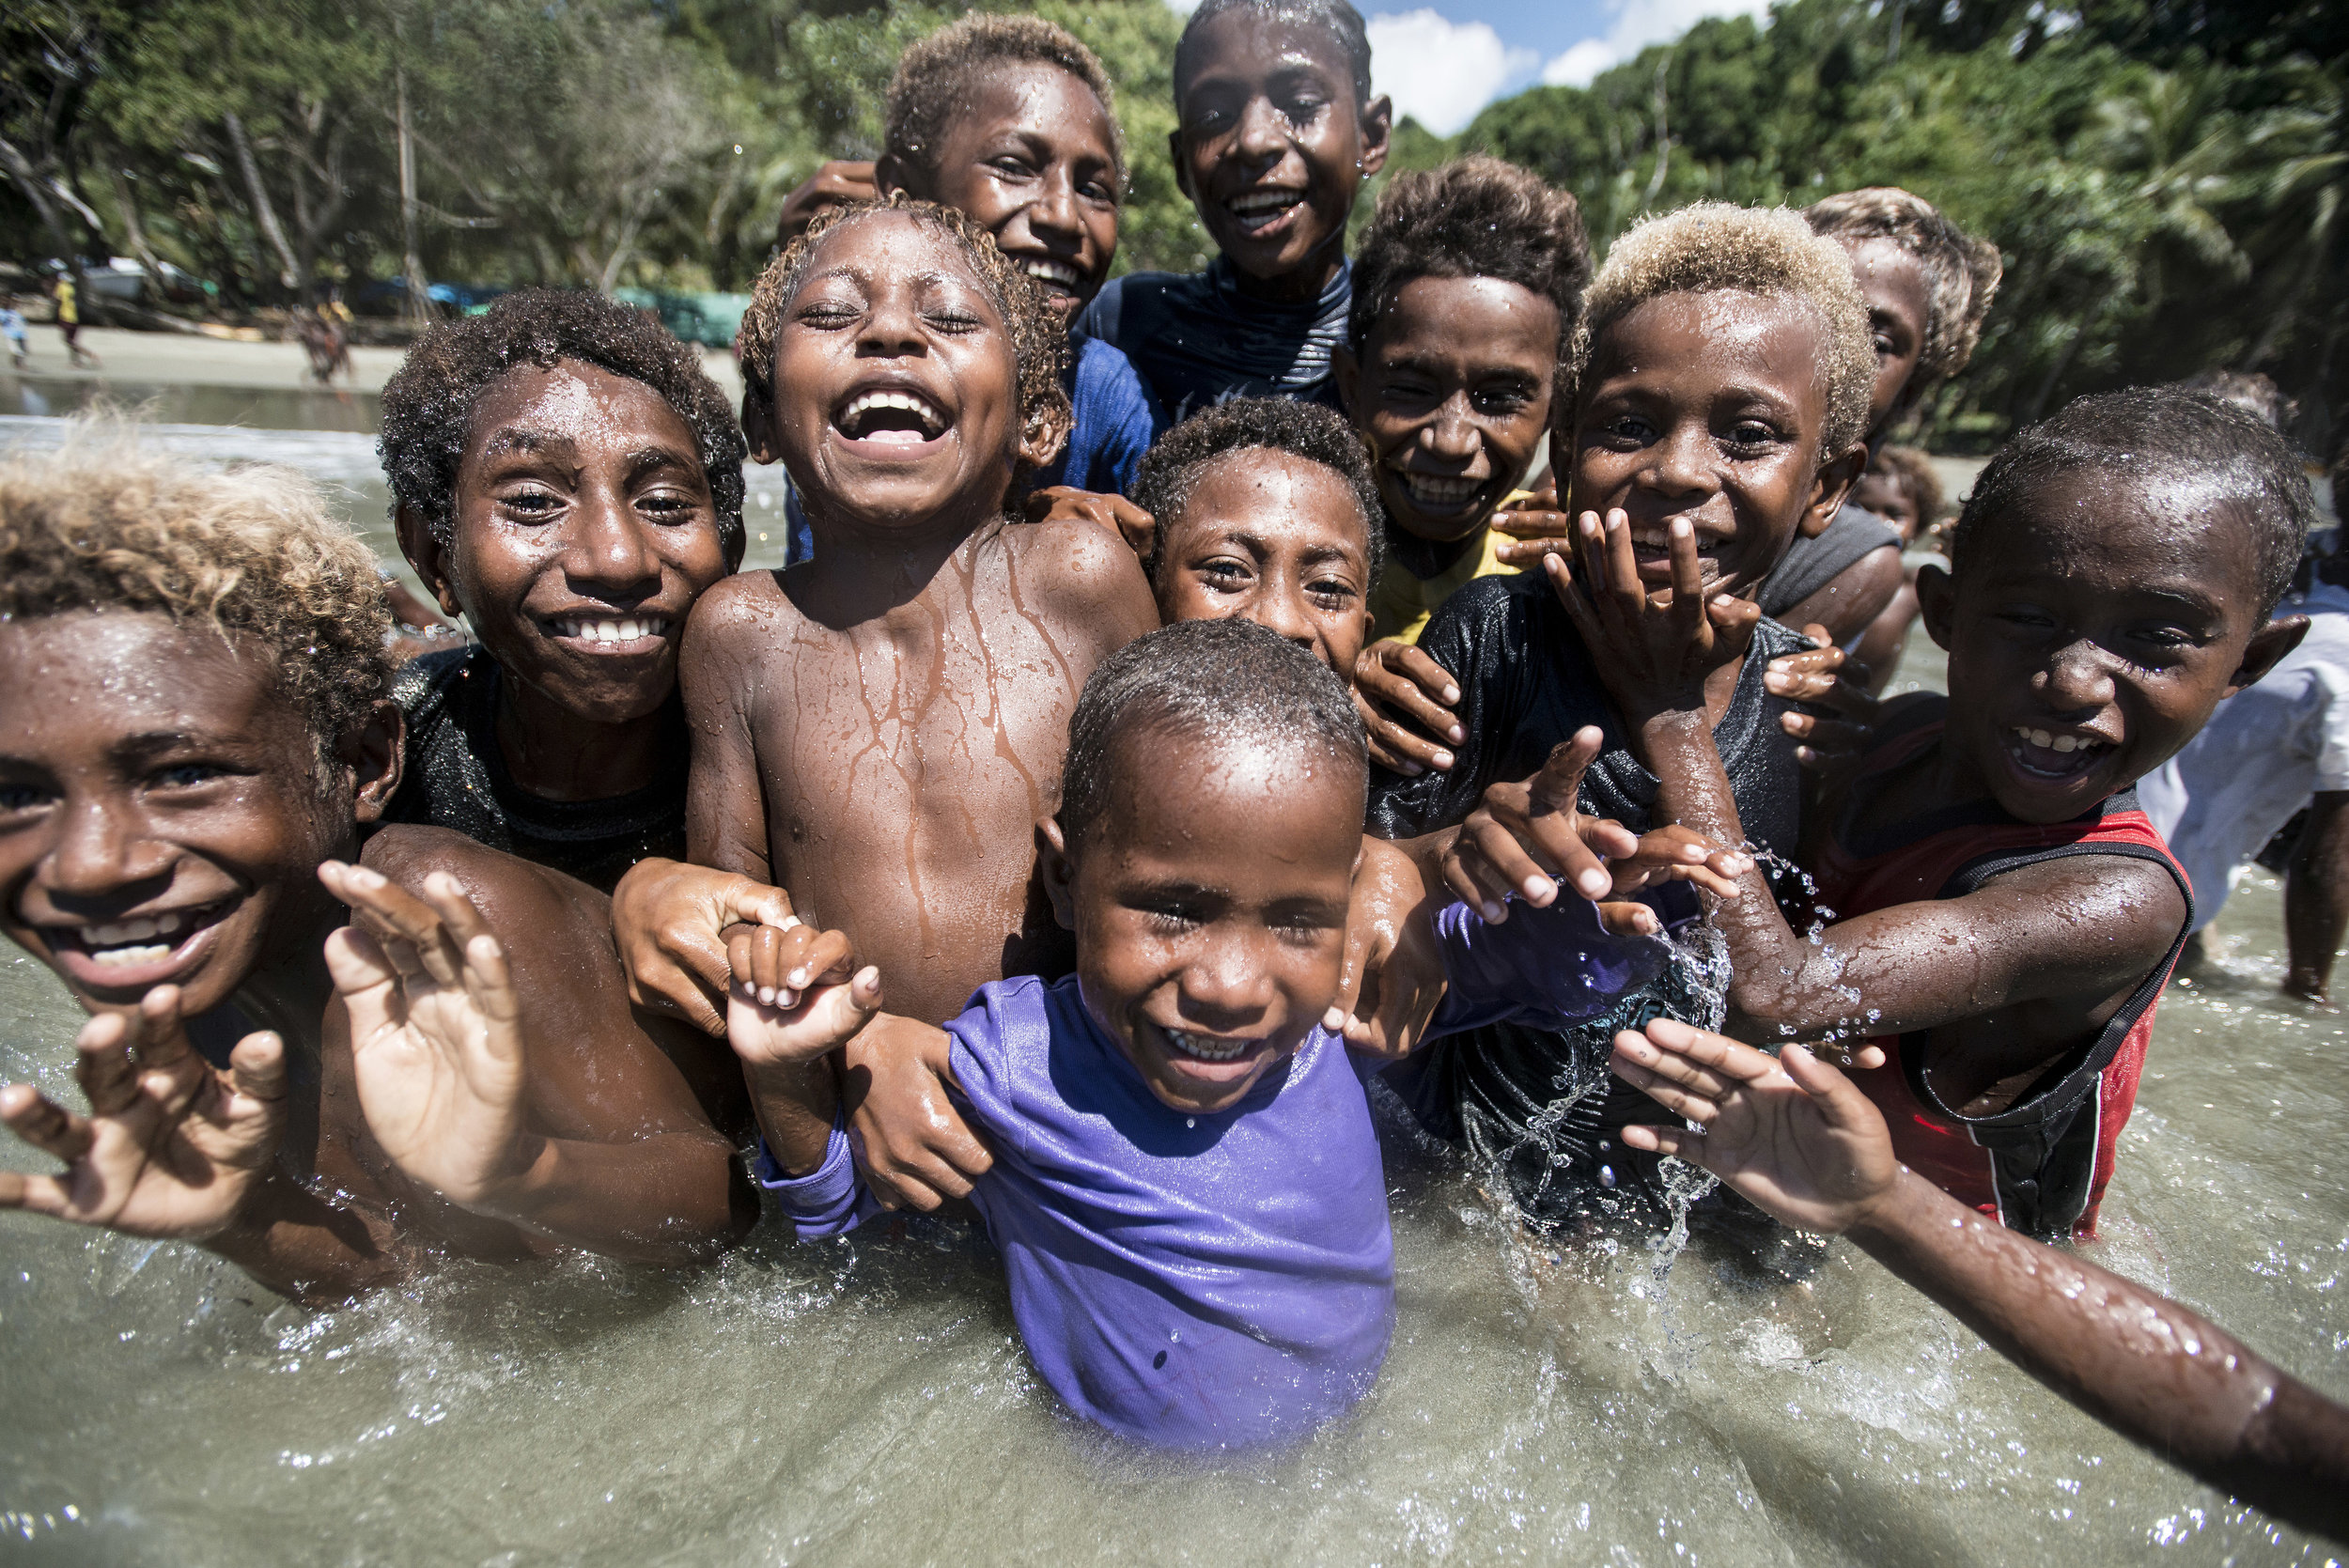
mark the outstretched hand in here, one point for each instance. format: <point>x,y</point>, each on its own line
<point>797,995</point>
<point>1824,675</point>
<point>1394,976</point>
<point>1653,649</point>
<point>1406,700</point>
<point>436,1040</point>
<point>1791,1134</point>
<point>172,1147</point>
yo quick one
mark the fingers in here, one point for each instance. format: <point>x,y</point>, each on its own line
<point>44,1123</point>
<point>102,1064</point>
<point>1559,784</point>
<point>1701,1049</point>
<point>776,965</point>
<point>1628,918</point>
<point>411,931</point>
<point>256,1067</point>
<point>755,904</point>
<point>1679,1142</point>
<point>1687,568</point>
<point>1395,745</point>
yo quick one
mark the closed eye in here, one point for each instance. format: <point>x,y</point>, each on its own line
<point>25,796</point>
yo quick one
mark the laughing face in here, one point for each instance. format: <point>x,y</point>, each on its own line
<point>1709,406</point>
<point>1272,147</point>
<point>1274,538</point>
<point>2093,633</point>
<point>1210,910</point>
<point>895,392</point>
<point>1452,389</point>
<point>160,814</point>
<point>1033,160</point>
<point>584,532</point>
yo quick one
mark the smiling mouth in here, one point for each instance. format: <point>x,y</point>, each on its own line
<point>1061,277</point>
<point>2045,755</point>
<point>1208,1047</point>
<point>894,418</point>
<point>1259,210</point>
<point>143,951</point>
<point>612,633</point>
<point>1433,492</point>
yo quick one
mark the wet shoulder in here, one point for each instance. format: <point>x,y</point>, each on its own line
<point>1078,576</point>
<point>526,904</point>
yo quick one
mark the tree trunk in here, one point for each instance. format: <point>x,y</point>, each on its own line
<point>263,213</point>
<point>411,259</point>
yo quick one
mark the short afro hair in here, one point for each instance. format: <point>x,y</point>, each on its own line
<point>1334,18</point>
<point>1214,684</point>
<point>2148,434</point>
<point>427,404</point>
<point>1039,343</point>
<point>1475,218</point>
<point>937,79</point>
<point>1960,272</point>
<point>106,524</point>
<point>1715,247</point>
<point>1178,458</point>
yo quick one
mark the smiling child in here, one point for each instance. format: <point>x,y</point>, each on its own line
<point>2111,580</point>
<point>1264,511</point>
<point>1188,1192</point>
<point>1276,129</point>
<point>193,720</point>
<point>565,475</point>
<point>1722,377</point>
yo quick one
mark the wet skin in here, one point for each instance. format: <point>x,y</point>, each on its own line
<point>1893,282</point>
<point>1451,391</point>
<point>878,730</point>
<point>153,772</point>
<point>1265,109</point>
<point>2103,612</point>
<point>1032,158</point>
<point>1210,906</point>
<point>580,504</point>
<point>1273,539</point>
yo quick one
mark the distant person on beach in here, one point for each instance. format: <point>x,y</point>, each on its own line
<point>194,729</point>
<point>12,326</point>
<point>566,477</point>
<point>69,299</point>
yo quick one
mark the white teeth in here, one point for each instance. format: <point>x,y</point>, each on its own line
<point>2048,740</point>
<point>1442,492</point>
<point>1050,272</point>
<point>2066,743</point>
<point>626,629</point>
<point>1207,1048</point>
<point>910,402</point>
<point>126,956</point>
<point>1259,201</point>
<point>137,930</point>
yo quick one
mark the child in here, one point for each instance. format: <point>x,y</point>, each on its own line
<point>878,729</point>
<point>1188,1193</point>
<point>2109,582</point>
<point>1721,379</point>
<point>1901,488</point>
<point>1467,294</point>
<point>1928,285</point>
<point>1262,510</point>
<point>1012,121</point>
<point>12,327</point>
<point>193,719</point>
<point>565,475</point>
<point>1276,130</point>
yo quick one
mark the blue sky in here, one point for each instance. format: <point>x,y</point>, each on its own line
<point>1442,60</point>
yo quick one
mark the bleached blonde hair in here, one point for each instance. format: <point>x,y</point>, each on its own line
<point>108,522</point>
<point>1715,247</point>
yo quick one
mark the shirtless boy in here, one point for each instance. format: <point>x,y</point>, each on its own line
<point>2004,913</point>
<point>193,720</point>
<point>1721,382</point>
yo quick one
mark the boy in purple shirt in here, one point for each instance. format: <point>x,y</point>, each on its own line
<point>1187,1190</point>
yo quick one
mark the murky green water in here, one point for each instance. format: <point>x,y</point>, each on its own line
<point>865,1401</point>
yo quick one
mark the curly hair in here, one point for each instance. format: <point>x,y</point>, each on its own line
<point>1217,684</point>
<point>1178,458</point>
<point>937,79</point>
<point>2248,390</point>
<point>1476,217</point>
<point>1960,272</point>
<point>427,404</point>
<point>1336,20</point>
<point>1039,344</point>
<point>1713,246</point>
<point>2157,434</point>
<point>105,524</point>
<point>1914,469</point>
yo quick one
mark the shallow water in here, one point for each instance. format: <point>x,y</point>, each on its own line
<point>865,1401</point>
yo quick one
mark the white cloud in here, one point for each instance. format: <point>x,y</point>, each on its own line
<point>1637,25</point>
<point>1440,72</point>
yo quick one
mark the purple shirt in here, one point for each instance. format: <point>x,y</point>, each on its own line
<point>1213,1280</point>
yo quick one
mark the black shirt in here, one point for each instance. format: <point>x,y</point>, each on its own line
<point>1810,564</point>
<point>1541,1105</point>
<point>456,778</point>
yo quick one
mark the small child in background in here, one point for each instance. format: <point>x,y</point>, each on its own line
<point>1263,509</point>
<point>2111,580</point>
<point>12,326</point>
<point>1720,393</point>
<point>1901,488</point>
<point>1466,293</point>
<point>1188,1192</point>
<point>1276,129</point>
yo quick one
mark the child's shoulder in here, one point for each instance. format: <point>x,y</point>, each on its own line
<point>528,902</point>
<point>746,603</point>
<point>1078,572</point>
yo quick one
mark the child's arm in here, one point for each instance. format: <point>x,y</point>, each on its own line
<point>572,1127</point>
<point>726,640</point>
<point>174,1148</point>
<point>670,922</point>
<point>2072,932</point>
<point>1796,1137</point>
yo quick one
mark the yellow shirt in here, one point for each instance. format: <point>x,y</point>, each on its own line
<point>1401,604</point>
